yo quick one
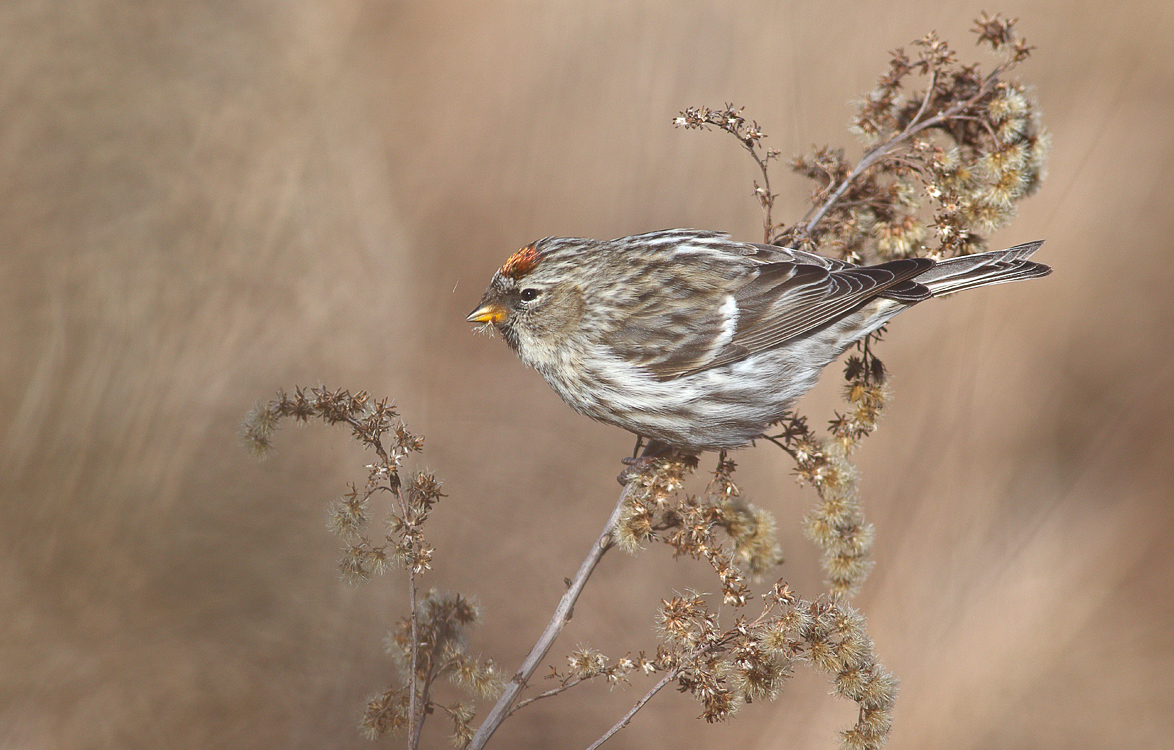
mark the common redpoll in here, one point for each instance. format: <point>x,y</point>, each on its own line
<point>695,340</point>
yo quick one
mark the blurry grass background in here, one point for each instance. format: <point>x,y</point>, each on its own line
<point>203,200</point>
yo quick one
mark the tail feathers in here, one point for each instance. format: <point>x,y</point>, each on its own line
<point>998,267</point>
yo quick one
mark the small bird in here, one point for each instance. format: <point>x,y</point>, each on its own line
<point>697,341</point>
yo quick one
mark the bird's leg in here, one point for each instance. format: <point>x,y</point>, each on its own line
<point>653,449</point>
<point>636,448</point>
<point>778,440</point>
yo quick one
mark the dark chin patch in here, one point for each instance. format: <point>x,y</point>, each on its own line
<point>510,335</point>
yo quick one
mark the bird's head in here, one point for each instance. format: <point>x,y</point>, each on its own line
<point>535,299</point>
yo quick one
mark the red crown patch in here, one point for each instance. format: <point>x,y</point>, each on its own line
<point>521,263</point>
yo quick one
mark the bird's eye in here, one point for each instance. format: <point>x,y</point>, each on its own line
<point>529,295</point>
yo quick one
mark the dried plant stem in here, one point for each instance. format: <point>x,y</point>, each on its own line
<point>766,198</point>
<point>562,615</point>
<point>415,720</point>
<point>415,716</point>
<point>915,126</point>
<point>668,677</point>
<point>548,694</point>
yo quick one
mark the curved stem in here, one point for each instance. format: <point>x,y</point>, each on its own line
<point>415,707</point>
<point>548,694</point>
<point>669,677</point>
<point>415,721</point>
<point>766,199</point>
<point>562,615</point>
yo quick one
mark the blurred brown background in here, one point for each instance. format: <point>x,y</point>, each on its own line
<point>206,200</point>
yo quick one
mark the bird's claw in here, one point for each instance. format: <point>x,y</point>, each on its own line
<point>634,468</point>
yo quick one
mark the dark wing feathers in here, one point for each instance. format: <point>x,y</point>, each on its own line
<point>813,297</point>
<point>781,300</point>
<point>911,290</point>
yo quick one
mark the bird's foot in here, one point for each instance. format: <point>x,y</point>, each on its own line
<point>637,465</point>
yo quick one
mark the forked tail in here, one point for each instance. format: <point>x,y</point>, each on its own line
<point>998,267</point>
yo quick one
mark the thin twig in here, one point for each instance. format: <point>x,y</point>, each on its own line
<point>548,694</point>
<point>415,714</point>
<point>933,81</point>
<point>775,439</point>
<point>415,722</point>
<point>766,199</point>
<point>669,677</point>
<point>426,691</point>
<point>562,614</point>
<point>415,719</point>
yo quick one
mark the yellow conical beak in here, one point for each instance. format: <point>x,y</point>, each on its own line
<point>490,312</point>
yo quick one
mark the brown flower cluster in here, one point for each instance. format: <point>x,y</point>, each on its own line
<point>725,668</point>
<point>375,424</point>
<point>441,645</point>
<point>690,524</point>
<point>970,145</point>
<point>431,643</point>
<point>837,644</point>
<point>945,166</point>
<point>836,524</point>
